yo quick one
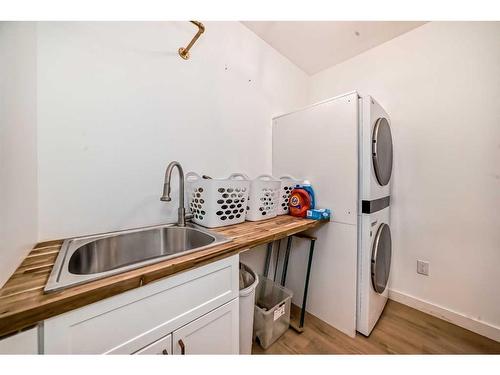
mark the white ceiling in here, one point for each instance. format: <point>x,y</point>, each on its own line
<point>317,45</point>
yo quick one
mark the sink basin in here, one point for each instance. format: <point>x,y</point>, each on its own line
<point>85,259</point>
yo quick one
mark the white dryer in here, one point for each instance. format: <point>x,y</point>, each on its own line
<point>375,160</point>
<point>374,265</point>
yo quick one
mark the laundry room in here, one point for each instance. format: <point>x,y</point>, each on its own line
<point>238,185</point>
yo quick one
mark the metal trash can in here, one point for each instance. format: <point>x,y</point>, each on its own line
<point>248,283</point>
<point>272,311</point>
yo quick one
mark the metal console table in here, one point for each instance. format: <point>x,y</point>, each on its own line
<point>300,326</point>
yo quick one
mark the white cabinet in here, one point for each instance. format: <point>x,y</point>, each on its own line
<point>25,342</point>
<point>131,321</point>
<point>213,333</point>
<point>162,346</point>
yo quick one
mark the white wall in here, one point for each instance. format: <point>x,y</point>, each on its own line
<point>18,178</point>
<point>440,83</point>
<point>116,103</point>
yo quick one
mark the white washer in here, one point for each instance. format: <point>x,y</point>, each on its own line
<point>375,151</point>
<point>374,264</point>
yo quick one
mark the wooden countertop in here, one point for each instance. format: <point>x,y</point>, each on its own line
<point>23,303</point>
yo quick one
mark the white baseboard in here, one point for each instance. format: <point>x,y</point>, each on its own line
<point>479,327</point>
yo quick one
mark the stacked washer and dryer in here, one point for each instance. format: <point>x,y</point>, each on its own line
<point>343,145</point>
<point>374,233</point>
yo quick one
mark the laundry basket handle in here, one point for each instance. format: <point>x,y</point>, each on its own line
<point>265,177</point>
<point>287,177</point>
<point>234,175</point>
<point>193,176</point>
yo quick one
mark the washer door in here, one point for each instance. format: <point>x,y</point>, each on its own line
<point>382,151</point>
<point>381,258</point>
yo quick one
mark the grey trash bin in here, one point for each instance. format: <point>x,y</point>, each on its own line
<point>272,311</point>
<point>248,283</point>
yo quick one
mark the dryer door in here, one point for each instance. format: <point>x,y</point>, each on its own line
<point>382,151</point>
<point>381,258</point>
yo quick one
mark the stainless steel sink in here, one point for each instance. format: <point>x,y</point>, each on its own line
<point>85,259</point>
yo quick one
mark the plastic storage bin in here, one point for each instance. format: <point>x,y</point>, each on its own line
<point>272,311</point>
<point>217,202</point>
<point>287,185</point>
<point>263,198</point>
<point>248,283</point>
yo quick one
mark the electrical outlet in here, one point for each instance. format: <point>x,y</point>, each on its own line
<point>423,267</point>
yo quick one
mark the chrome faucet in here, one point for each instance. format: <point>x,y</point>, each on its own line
<point>181,221</point>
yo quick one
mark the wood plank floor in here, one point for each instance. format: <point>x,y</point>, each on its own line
<point>400,330</point>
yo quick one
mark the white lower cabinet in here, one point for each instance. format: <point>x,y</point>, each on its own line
<point>213,333</point>
<point>199,307</point>
<point>162,346</point>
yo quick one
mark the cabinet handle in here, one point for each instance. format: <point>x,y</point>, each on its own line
<point>164,351</point>
<point>183,347</point>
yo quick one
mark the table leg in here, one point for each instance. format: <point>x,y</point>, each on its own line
<point>285,261</point>
<point>306,287</point>
<point>277,260</point>
<point>268,258</point>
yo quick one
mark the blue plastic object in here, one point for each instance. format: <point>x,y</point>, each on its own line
<point>308,187</point>
<point>319,214</point>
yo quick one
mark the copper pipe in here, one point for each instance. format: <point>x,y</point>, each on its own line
<point>184,52</point>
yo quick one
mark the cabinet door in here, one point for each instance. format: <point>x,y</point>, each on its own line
<point>25,342</point>
<point>162,346</point>
<point>214,333</point>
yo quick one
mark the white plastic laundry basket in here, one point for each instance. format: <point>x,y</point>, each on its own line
<point>287,185</point>
<point>263,198</point>
<point>217,202</point>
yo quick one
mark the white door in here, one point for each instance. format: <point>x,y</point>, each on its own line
<point>382,151</point>
<point>381,258</point>
<point>162,346</point>
<point>214,333</point>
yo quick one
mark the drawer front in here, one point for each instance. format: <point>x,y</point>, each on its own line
<point>162,346</point>
<point>125,323</point>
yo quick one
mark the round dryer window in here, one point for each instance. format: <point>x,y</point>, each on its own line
<point>382,151</point>
<point>381,258</point>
